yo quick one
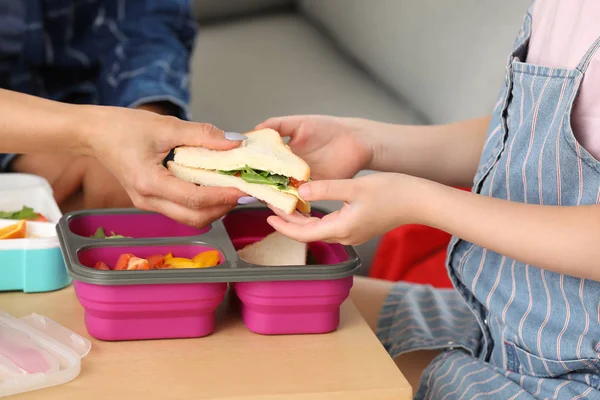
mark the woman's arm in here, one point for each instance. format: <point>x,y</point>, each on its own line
<point>559,239</point>
<point>448,154</point>
<point>131,144</point>
<point>31,124</point>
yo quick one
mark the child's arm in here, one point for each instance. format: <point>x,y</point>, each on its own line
<point>560,239</point>
<point>447,154</point>
<point>338,148</point>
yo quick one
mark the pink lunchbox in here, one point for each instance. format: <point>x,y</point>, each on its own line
<point>180,303</point>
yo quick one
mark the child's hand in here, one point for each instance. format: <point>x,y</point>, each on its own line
<point>334,148</point>
<point>374,204</point>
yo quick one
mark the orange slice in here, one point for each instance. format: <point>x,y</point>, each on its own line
<point>14,231</point>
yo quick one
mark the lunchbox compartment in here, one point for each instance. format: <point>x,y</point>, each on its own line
<point>292,307</point>
<point>147,311</point>
<point>245,227</point>
<point>110,254</point>
<point>160,311</point>
<point>288,307</point>
<point>34,264</point>
<point>135,225</point>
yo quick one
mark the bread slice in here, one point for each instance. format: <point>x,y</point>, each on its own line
<point>263,150</point>
<point>273,250</point>
<point>287,201</point>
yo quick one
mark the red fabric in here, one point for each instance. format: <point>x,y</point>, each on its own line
<point>413,253</point>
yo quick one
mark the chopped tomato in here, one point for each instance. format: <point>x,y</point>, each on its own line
<point>123,262</point>
<point>136,263</point>
<point>156,261</point>
<point>40,218</point>
<point>296,183</point>
<point>102,266</point>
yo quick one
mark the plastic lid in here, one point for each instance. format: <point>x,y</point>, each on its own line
<point>36,352</point>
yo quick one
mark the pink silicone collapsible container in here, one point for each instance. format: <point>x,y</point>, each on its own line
<point>292,307</point>
<point>288,307</point>
<point>134,225</point>
<point>150,311</point>
<point>178,303</point>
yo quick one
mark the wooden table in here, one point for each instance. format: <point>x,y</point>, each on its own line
<point>232,363</point>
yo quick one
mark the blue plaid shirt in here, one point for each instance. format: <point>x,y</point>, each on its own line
<point>108,52</point>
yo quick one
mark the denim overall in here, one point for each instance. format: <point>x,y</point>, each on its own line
<point>511,330</point>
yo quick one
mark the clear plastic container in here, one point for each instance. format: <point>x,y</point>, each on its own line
<point>33,264</point>
<point>36,353</point>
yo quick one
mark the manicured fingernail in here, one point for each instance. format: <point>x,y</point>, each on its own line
<point>247,200</point>
<point>235,136</point>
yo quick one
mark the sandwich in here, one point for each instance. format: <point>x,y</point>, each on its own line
<point>273,250</point>
<point>263,167</point>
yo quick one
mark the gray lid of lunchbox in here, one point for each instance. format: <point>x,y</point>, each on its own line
<point>233,269</point>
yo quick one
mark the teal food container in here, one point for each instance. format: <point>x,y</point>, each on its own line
<point>33,264</point>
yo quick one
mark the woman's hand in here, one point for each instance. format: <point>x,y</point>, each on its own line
<point>132,144</point>
<point>334,148</point>
<point>373,204</point>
